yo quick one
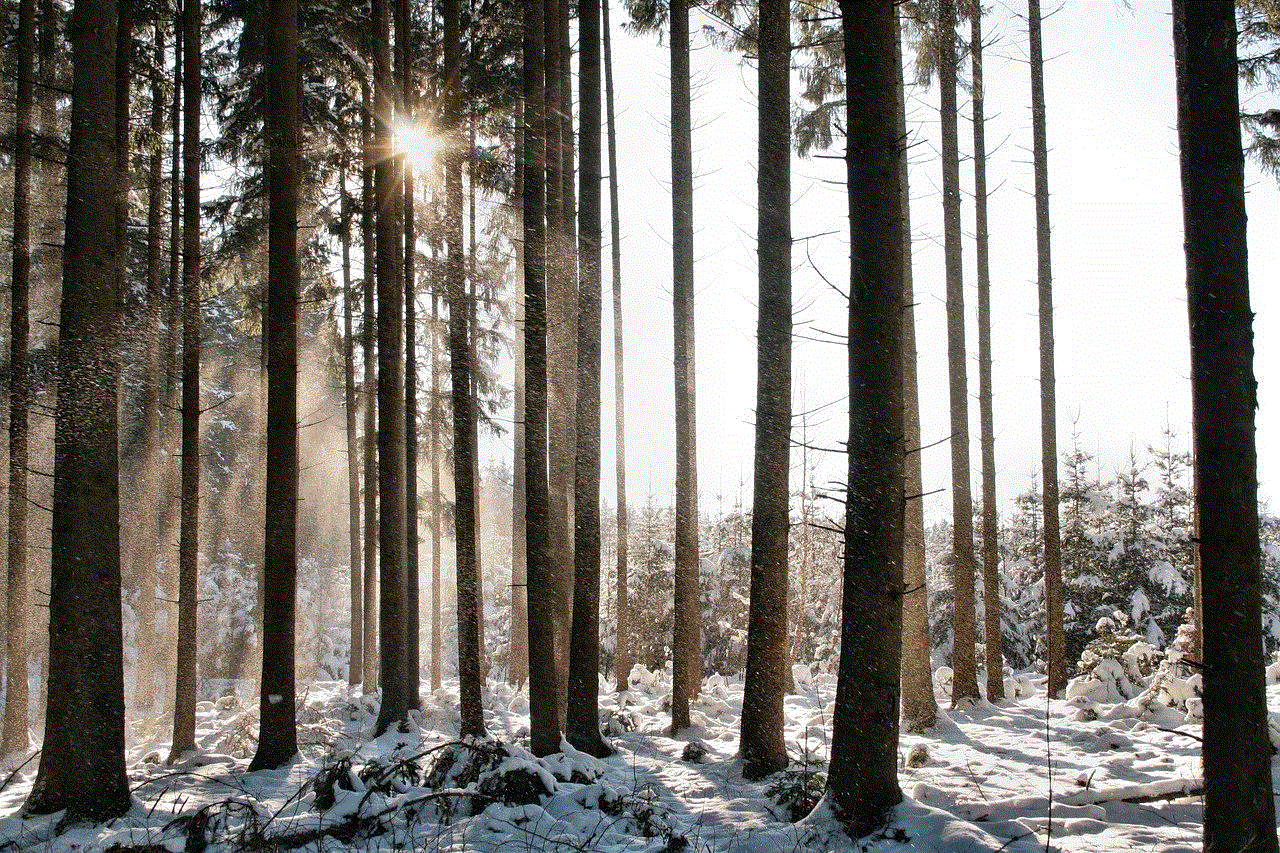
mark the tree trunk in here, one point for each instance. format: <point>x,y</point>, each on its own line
<point>82,762</point>
<point>388,190</point>
<point>1055,659</point>
<point>412,660</point>
<point>919,707</point>
<point>582,727</point>
<point>863,780</point>
<point>994,643</point>
<point>518,651</point>
<point>561,374</point>
<point>543,715</point>
<point>356,657</point>
<point>185,685</point>
<point>437,643</point>
<point>369,677</point>
<point>622,655</point>
<point>1239,809</point>
<point>15,738</point>
<point>763,750</point>
<point>464,415</point>
<point>146,551</point>
<point>965,684</point>
<point>277,738</point>
<point>124,62</point>
<point>686,664</point>
<point>173,368</point>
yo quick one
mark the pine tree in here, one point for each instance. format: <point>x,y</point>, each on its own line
<point>15,737</point>
<point>82,761</point>
<point>277,737</point>
<point>686,663</point>
<point>1056,658</point>
<point>1239,812</point>
<point>762,746</point>
<point>185,685</point>
<point>863,780</point>
<point>582,721</point>
<point>990,545</point>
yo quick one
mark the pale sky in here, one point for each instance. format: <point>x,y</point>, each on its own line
<point>1118,264</point>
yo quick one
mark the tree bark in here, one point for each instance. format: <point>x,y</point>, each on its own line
<point>388,192</point>
<point>582,728</point>
<point>1055,659</point>
<point>919,707</point>
<point>622,655</point>
<point>412,618</point>
<point>994,643</point>
<point>561,373</point>
<point>686,664</point>
<point>1239,810</point>
<point>863,780</point>
<point>277,737</point>
<point>518,651</point>
<point>763,749</point>
<point>544,721</point>
<point>464,414</point>
<point>356,656</point>
<point>15,737</point>
<point>82,762</point>
<point>185,684</point>
<point>964,684</point>
<point>437,642</point>
<point>369,677</point>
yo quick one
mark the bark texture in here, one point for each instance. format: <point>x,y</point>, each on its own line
<point>763,749</point>
<point>82,760</point>
<point>863,780</point>
<point>991,637</point>
<point>582,722</point>
<point>686,663</point>
<point>277,737</point>
<point>1056,660</point>
<point>1239,811</point>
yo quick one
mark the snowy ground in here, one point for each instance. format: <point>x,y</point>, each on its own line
<point>978,781</point>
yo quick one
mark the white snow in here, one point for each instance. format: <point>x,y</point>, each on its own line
<point>993,778</point>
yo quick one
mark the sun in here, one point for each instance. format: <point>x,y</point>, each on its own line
<point>417,144</point>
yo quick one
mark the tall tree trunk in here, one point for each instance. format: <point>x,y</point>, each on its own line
<point>919,707</point>
<point>686,664</point>
<point>993,642</point>
<point>277,737</point>
<point>356,658</point>
<point>582,723</point>
<point>518,655</point>
<point>763,750</point>
<point>544,722</point>
<point>1239,809</point>
<point>369,676</point>
<point>124,62</point>
<point>146,550</point>
<point>185,685</point>
<point>623,654</point>
<point>965,684</point>
<point>388,191</point>
<point>561,375</point>
<point>173,368</point>
<point>15,737</point>
<point>464,415</point>
<point>473,346</point>
<point>82,761</point>
<point>437,642</point>
<point>863,781</point>
<point>1056,660</point>
<point>412,660</point>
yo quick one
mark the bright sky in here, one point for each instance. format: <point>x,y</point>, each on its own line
<point>1118,264</point>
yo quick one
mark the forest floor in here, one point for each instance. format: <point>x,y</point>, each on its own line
<point>979,780</point>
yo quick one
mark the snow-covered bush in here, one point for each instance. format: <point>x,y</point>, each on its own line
<point>1115,665</point>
